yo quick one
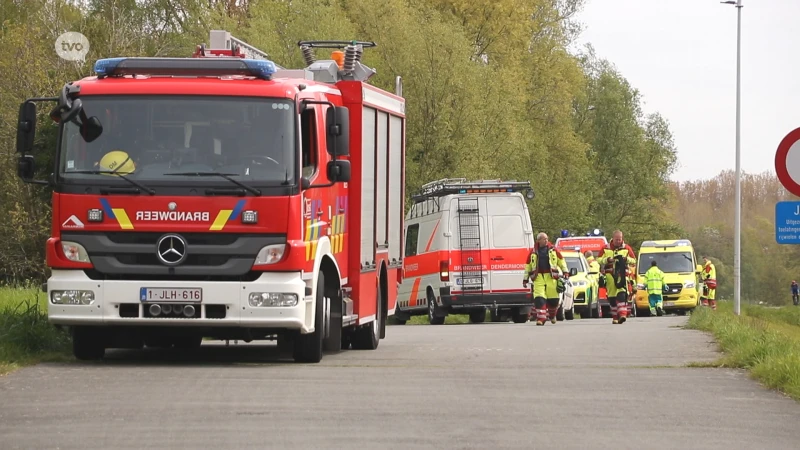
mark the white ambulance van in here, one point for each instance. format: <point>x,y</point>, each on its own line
<point>466,245</point>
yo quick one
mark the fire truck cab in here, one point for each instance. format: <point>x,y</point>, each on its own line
<point>212,196</point>
<point>466,243</point>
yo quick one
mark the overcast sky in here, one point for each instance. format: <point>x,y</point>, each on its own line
<point>681,55</point>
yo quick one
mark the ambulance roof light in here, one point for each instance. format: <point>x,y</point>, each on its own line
<point>261,69</point>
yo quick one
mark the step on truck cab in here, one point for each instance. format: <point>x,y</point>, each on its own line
<point>595,242</point>
<point>678,261</point>
<point>212,196</point>
<point>466,244</point>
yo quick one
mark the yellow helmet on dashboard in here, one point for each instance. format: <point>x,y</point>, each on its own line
<point>118,162</point>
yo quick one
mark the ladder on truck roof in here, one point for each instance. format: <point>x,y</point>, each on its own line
<point>469,236</point>
<point>222,44</point>
<point>448,186</point>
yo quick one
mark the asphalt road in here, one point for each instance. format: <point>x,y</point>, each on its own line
<point>578,384</point>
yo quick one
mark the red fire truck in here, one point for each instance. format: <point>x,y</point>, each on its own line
<point>212,196</point>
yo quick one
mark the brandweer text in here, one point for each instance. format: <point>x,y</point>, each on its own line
<point>184,216</point>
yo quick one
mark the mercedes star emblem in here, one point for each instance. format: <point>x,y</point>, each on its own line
<point>171,249</point>
<point>172,206</point>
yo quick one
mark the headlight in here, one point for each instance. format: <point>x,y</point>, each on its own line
<point>258,299</point>
<point>72,297</point>
<point>688,284</point>
<point>74,252</point>
<point>270,254</point>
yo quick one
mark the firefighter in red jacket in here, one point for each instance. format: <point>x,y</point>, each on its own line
<point>548,270</point>
<point>615,259</point>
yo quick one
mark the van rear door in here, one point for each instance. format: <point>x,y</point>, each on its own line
<point>510,241</point>
<point>469,244</point>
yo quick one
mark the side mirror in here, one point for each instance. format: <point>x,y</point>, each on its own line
<point>26,127</point>
<point>338,130</point>
<point>26,167</point>
<point>573,271</point>
<point>339,171</point>
<point>699,269</point>
<point>91,129</point>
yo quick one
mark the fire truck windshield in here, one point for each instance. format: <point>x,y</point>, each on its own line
<point>178,140</point>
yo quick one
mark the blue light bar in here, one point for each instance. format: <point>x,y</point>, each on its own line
<point>262,69</point>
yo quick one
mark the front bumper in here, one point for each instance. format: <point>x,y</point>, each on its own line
<point>224,304</point>
<point>463,300</point>
<point>682,301</point>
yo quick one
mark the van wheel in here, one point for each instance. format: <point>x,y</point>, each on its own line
<point>570,314</point>
<point>520,315</point>
<point>434,316</point>
<point>560,314</point>
<point>478,316</point>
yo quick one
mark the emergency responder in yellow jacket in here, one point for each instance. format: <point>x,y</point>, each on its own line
<point>548,270</point>
<point>710,280</point>
<point>594,268</point>
<point>616,258</point>
<point>654,279</point>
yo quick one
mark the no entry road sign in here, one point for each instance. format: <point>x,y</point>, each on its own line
<point>787,162</point>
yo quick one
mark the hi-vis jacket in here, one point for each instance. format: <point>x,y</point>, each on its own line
<point>655,280</point>
<point>611,252</point>
<point>558,266</point>
<point>594,266</point>
<point>710,275</point>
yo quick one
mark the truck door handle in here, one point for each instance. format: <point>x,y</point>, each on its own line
<point>498,258</point>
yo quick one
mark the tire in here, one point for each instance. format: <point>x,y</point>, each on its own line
<point>333,342</point>
<point>570,313</point>
<point>519,315</point>
<point>477,316</point>
<point>434,318</point>
<point>308,347</point>
<point>188,342</point>
<point>597,312</point>
<point>560,314</point>
<point>88,343</point>
<point>368,337</point>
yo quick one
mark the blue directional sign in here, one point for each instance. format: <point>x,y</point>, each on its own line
<point>787,222</point>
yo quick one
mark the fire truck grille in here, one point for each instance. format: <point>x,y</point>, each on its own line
<point>208,256</point>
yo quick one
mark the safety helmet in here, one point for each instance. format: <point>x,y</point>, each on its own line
<point>118,162</point>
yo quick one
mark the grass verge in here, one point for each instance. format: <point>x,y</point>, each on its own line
<point>25,335</point>
<point>765,341</point>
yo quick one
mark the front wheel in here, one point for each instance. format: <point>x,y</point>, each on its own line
<point>88,343</point>
<point>308,347</point>
<point>570,313</point>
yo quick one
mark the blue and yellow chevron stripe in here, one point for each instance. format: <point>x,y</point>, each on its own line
<point>117,214</point>
<point>226,215</point>
<point>312,230</point>
<point>338,225</point>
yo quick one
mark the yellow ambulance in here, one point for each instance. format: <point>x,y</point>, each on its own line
<point>677,259</point>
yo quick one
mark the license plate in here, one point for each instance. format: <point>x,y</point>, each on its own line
<point>669,303</point>
<point>171,294</point>
<point>468,281</point>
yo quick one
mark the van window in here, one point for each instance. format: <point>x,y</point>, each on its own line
<point>669,262</point>
<point>412,237</point>
<point>507,232</point>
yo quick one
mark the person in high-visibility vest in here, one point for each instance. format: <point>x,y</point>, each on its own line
<point>654,279</point>
<point>594,267</point>
<point>710,280</point>
<point>615,259</point>
<point>548,270</point>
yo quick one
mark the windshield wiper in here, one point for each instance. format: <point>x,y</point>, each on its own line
<point>111,172</point>
<point>226,176</point>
